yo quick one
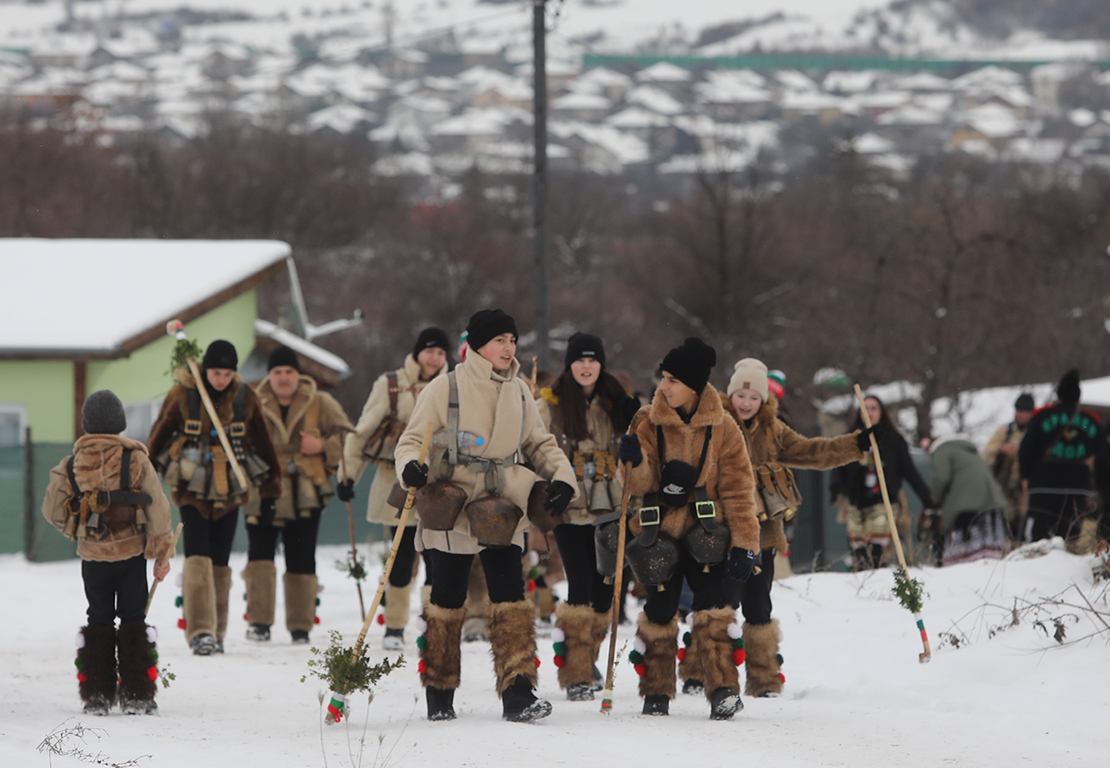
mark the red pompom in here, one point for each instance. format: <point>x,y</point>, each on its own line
<point>682,654</point>
<point>531,585</point>
<point>181,623</point>
<point>560,661</point>
<point>537,662</point>
<point>641,670</point>
<point>738,656</point>
<point>152,673</point>
<point>381,619</point>
<point>245,618</point>
<point>315,619</point>
<point>81,677</point>
<point>782,677</point>
<point>421,668</point>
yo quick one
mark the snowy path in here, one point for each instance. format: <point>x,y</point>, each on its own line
<point>855,695</point>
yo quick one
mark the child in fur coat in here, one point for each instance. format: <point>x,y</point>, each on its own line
<point>120,520</point>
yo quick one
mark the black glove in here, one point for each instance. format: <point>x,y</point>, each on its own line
<point>628,407</point>
<point>741,563</point>
<point>559,495</point>
<point>676,480</point>
<point>345,491</point>
<point>415,474</point>
<point>629,451</point>
<point>863,439</point>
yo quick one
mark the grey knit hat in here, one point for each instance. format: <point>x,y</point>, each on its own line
<point>102,414</point>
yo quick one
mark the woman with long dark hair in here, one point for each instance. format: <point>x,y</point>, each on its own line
<point>587,410</point>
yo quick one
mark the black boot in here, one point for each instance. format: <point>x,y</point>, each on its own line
<point>875,553</point>
<point>657,704</point>
<point>724,703</point>
<point>520,705</point>
<point>441,703</point>
<point>693,687</point>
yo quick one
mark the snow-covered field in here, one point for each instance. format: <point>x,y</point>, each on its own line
<point>855,693</point>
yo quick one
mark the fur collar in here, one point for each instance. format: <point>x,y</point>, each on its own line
<point>767,413</point>
<point>302,399</point>
<point>710,412</point>
<point>97,443</point>
<point>482,368</point>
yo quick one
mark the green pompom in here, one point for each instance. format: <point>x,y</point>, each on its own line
<point>635,657</point>
<point>79,664</point>
<point>560,648</point>
<point>421,643</point>
<point>738,643</point>
<point>152,654</point>
<point>180,601</point>
<point>778,657</point>
<point>317,602</point>
<point>686,638</point>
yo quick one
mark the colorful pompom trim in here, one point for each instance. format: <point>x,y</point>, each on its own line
<point>537,662</point>
<point>152,673</point>
<point>181,623</point>
<point>421,668</point>
<point>315,619</point>
<point>380,618</point>
<point>81,677</point>
<point>738,656</point>
<point>337,706</point>
<point>641,670</point>
<point>782,677</point>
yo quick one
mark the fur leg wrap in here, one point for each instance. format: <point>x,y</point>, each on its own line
<point>199,594</point>
<point>602,622</point>
<point>260,577</point>
<point>660,649</point>
<point>138,663</point>
<point>440,654</point>
<point>512,637</point>
<point>221,580</point>
<point>711,646</point>
<point>397,606</point>
<point>761,643</point>
<point>96,665</point>
<point>689,663</point>
<point>576,622</point>
<point>300,601</point>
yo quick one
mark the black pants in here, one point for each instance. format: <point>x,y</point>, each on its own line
<point>115,589</point>
<point>585,585</point>
<point>209,538</point>
<point>298,538</point>
<point>451,575</point>
<point>1055,514</point>
<point>401,574</point>
<point>754,595</point>
<point>712,589</point>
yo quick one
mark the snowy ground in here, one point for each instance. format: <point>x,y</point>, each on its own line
<point>855,695</point>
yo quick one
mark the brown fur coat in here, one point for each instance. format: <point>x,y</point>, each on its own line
<point>727,474</point>
<point>171,419</point>
<point>97,462</point>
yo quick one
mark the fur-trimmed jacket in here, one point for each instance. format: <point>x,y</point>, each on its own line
<point>171,421</point>
<point>374,412</point>
<point>285,433</point>
<point>726,475</point>
<point>501,410</point>
<point>97,462</point>
<point>770,440</point>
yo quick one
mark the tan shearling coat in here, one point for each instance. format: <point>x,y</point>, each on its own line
<point>727,474</point>
<point>501,410</point>
<point>770,440</point>
<point>171,420</point>
<point>373,413</point>
<point>602,438</point>
<point>97,465</point>
<point>286,433</point>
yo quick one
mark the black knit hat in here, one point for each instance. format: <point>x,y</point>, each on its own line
<point>584,345</point>
<point>283,356</point>
<point>485,324</point>
<point>1025,402</point>
<point>221,354</point>
<point>1068,388</point>
<point>691,363</point>
<point>102,414</point>
<point>431,337</point>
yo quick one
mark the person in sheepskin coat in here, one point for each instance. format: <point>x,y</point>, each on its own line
<point>696,431</point>
<point>386,413</point>
<point>307,428</point>
<point>130,531</point>
<point>771,445</point>
<point>496,405</point>
<point>210,514</point>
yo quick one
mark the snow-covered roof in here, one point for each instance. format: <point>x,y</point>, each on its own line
<point>342,118</point>
<point>987,76</point>
<point>655,99</point>
<point>95,297</point>
<point>605,77</point>
<point>576,101</point>
<point>850,82</point>
<point>302,347</point>
<point>663,72</point>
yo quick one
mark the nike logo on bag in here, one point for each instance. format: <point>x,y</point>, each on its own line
<point>674,489</point>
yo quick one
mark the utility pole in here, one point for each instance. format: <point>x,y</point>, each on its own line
<point>539,85</point>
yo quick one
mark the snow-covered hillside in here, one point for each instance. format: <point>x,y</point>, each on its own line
<point>855,693</point>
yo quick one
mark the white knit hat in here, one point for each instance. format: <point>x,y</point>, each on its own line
<point>751,374</point>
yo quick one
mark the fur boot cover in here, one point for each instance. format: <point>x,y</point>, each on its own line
<point>761,643</point>
<point>712,646</point>
<point>574,630</point>
<point>660,647</point>
<point>260,576</point>
<point>512,637</point>
<point>199,595</point>
<point>300,601</point>
<point>221,580</point>
<point>599,631</point>
<point>689,663</point>
<point>397,606</point>
<point>439,641</point>
<point>138,666</point>
<point>96,665</point>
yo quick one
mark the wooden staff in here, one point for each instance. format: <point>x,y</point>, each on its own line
<point>535,374</point>
<point>354,550</point>
<point>170,552</point>
<point>618,595</point>
<point>927,654</point>
<point>176,329</point>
